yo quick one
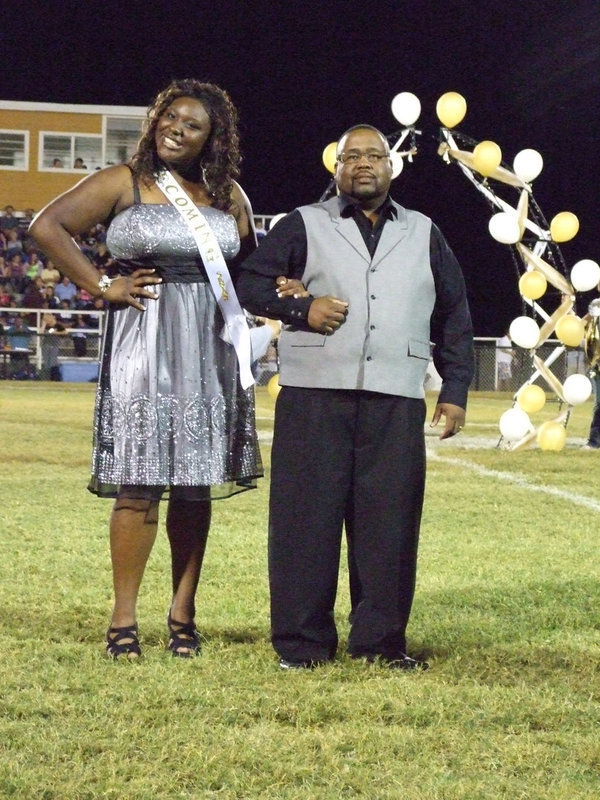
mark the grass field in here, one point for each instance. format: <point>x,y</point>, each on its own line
<point>507,612</point>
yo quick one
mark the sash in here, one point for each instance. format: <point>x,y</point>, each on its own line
<point>237,332</point>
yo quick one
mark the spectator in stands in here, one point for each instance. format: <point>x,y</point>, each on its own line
<point>8,221</point>
<point>94,319</point>
<point>14,245</point>
<point>57,163</point>
<point>17,274</point>
<point>51,331</point>
<point>78,335</point>
<point>98,232</point>
<point>4,272</point>
<point>35,266</point>
<point>84,300</point>
<point>33,297</point>
<point>19,336</point>
<point>49,296</point>
<point>102,257</point>
<point>25,221</point>
<point>89,247</point>
<point>50,275</point>
<point>78,164</point>
<point>65,290</point>
<point>65,314</point>
<point>9,316</point>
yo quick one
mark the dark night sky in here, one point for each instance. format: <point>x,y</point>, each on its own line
<point>300,73</point>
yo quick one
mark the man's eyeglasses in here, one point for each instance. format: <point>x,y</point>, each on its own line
<point>355,156</point>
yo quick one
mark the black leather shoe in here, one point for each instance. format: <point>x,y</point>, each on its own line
<point>404,662</point>
<point>285,664</point>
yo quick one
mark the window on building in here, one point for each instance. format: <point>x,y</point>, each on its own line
<point>121,137</point>
<point>14,150</point>
<point>70,151</point>
<point>88,151</point>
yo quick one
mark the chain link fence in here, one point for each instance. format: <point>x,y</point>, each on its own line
<point>72,355</point>
<point>567,361</point>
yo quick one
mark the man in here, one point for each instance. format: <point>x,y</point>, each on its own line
<point>504,360</point>
<point>8,221</point>
<point>65,290</point>
<point>592,352</point>
<point>348,443</point>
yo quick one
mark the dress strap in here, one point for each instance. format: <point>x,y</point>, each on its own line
<point>136,190</point>
<point>136,198</point>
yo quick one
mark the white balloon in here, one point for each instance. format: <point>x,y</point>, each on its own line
<point>576,389</point>
<point>274,220</point>
<point>406,107</point>
<point>397,164</point>
<point>527,165</point>
<point>585,275</point>
<point>524,332</point>
<point>514,424</point>
<point>504,227</point>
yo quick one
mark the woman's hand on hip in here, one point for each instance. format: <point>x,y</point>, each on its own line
<point>125,289</point>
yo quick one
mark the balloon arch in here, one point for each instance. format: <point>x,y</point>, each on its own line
<point>523,227</point>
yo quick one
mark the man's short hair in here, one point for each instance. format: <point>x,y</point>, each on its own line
<point>362,127</point>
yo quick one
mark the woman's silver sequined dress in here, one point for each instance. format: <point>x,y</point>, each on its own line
<point>170,410</point>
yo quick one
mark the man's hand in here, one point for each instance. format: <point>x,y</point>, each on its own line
<point>455,419</point>
<point>326,314</point>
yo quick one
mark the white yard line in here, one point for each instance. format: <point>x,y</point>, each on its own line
<point>518,480</point>
<point>487,443</point>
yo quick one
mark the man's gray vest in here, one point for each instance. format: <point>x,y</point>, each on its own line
<point>384,344</point>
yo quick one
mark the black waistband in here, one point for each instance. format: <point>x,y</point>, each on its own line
<point>185,273</point>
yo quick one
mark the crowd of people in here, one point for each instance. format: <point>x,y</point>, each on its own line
<point>28,279</point>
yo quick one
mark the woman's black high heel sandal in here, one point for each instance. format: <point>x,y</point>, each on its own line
<point>123,642</point>
<point>184,639</point>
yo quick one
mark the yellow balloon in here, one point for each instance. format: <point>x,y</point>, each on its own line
<point>329,157</point>
<point>451,109</point>
<point>532,284</point>
<point>531,398</point>
<point>273,387</point>
<point>570,329</point>
<point>486,157</point>
<point>564,226</point>
<point>551,435</point>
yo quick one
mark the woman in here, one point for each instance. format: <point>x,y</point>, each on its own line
<point>172,420</point>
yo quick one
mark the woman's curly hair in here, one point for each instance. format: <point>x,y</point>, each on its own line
<point>220,157</point>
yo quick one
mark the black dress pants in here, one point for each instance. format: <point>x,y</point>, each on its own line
<point>340,457</point>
